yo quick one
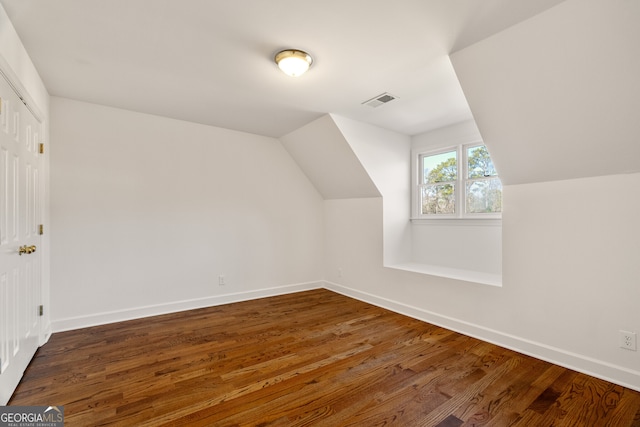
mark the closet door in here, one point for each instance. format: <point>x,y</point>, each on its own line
<point>20,255</point>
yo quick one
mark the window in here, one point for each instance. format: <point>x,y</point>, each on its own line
<point>438,183</point>
<point>449,188</point>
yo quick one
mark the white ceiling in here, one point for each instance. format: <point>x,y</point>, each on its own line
<point>210,62</point>
<point>558,96</point>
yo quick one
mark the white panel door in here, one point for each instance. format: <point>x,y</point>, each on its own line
<point>20,260</point>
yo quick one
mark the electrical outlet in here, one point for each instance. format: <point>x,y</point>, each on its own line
<point>628,340</point>
<point>221,280</point>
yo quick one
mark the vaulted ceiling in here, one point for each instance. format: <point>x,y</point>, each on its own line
<point>211,62</point>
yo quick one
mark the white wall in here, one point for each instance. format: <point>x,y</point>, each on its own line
<point>354,241</point>
<point>147,212</point>
<point>384,155</point>
<point>571,251</point>
<point>474,246</point>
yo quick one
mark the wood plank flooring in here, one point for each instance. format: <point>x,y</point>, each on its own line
<point>309,358</point>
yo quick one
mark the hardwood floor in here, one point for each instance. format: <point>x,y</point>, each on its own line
<point>310,358</point>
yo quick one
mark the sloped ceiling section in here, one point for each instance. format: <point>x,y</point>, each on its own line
<point>558,95</point>
<point>211,62</point>
<point>327,159</point>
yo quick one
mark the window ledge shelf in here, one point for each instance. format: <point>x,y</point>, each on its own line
<point>480,277</point>
<point>473,222</point>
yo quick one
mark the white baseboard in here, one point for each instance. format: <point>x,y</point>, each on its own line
<point>597,368</point>
<point>172,307</point>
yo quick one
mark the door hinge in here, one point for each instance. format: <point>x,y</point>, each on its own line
<point>41,229</point>
<point>41,149</point>
<point>41,310</point>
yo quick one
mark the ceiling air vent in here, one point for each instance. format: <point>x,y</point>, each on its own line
<point>379,100</point>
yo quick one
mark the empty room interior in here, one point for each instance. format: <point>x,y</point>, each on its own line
<point>436,224</point>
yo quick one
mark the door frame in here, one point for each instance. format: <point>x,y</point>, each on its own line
<point>7,73</point>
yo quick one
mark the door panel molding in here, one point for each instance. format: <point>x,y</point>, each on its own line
<point>21,204</point>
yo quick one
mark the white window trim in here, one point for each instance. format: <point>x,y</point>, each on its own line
<point>462,222</point>
<point>460,187</point>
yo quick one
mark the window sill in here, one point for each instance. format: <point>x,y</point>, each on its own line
<point>480,277</point>
<point>487,222</point>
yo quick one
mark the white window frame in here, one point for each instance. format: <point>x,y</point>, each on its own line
<point>460,185</point>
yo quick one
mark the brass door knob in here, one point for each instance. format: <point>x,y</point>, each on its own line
<point>26,249</point>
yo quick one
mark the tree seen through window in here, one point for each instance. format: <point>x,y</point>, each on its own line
<point>441,177</point>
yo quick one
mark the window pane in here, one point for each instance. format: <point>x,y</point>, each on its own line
<point>484,196</point>
<point>438,199</point>
<point>439,168</point>
<point>479,163</point>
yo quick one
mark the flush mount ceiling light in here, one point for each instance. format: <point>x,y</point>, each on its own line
<point>293,62</point>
